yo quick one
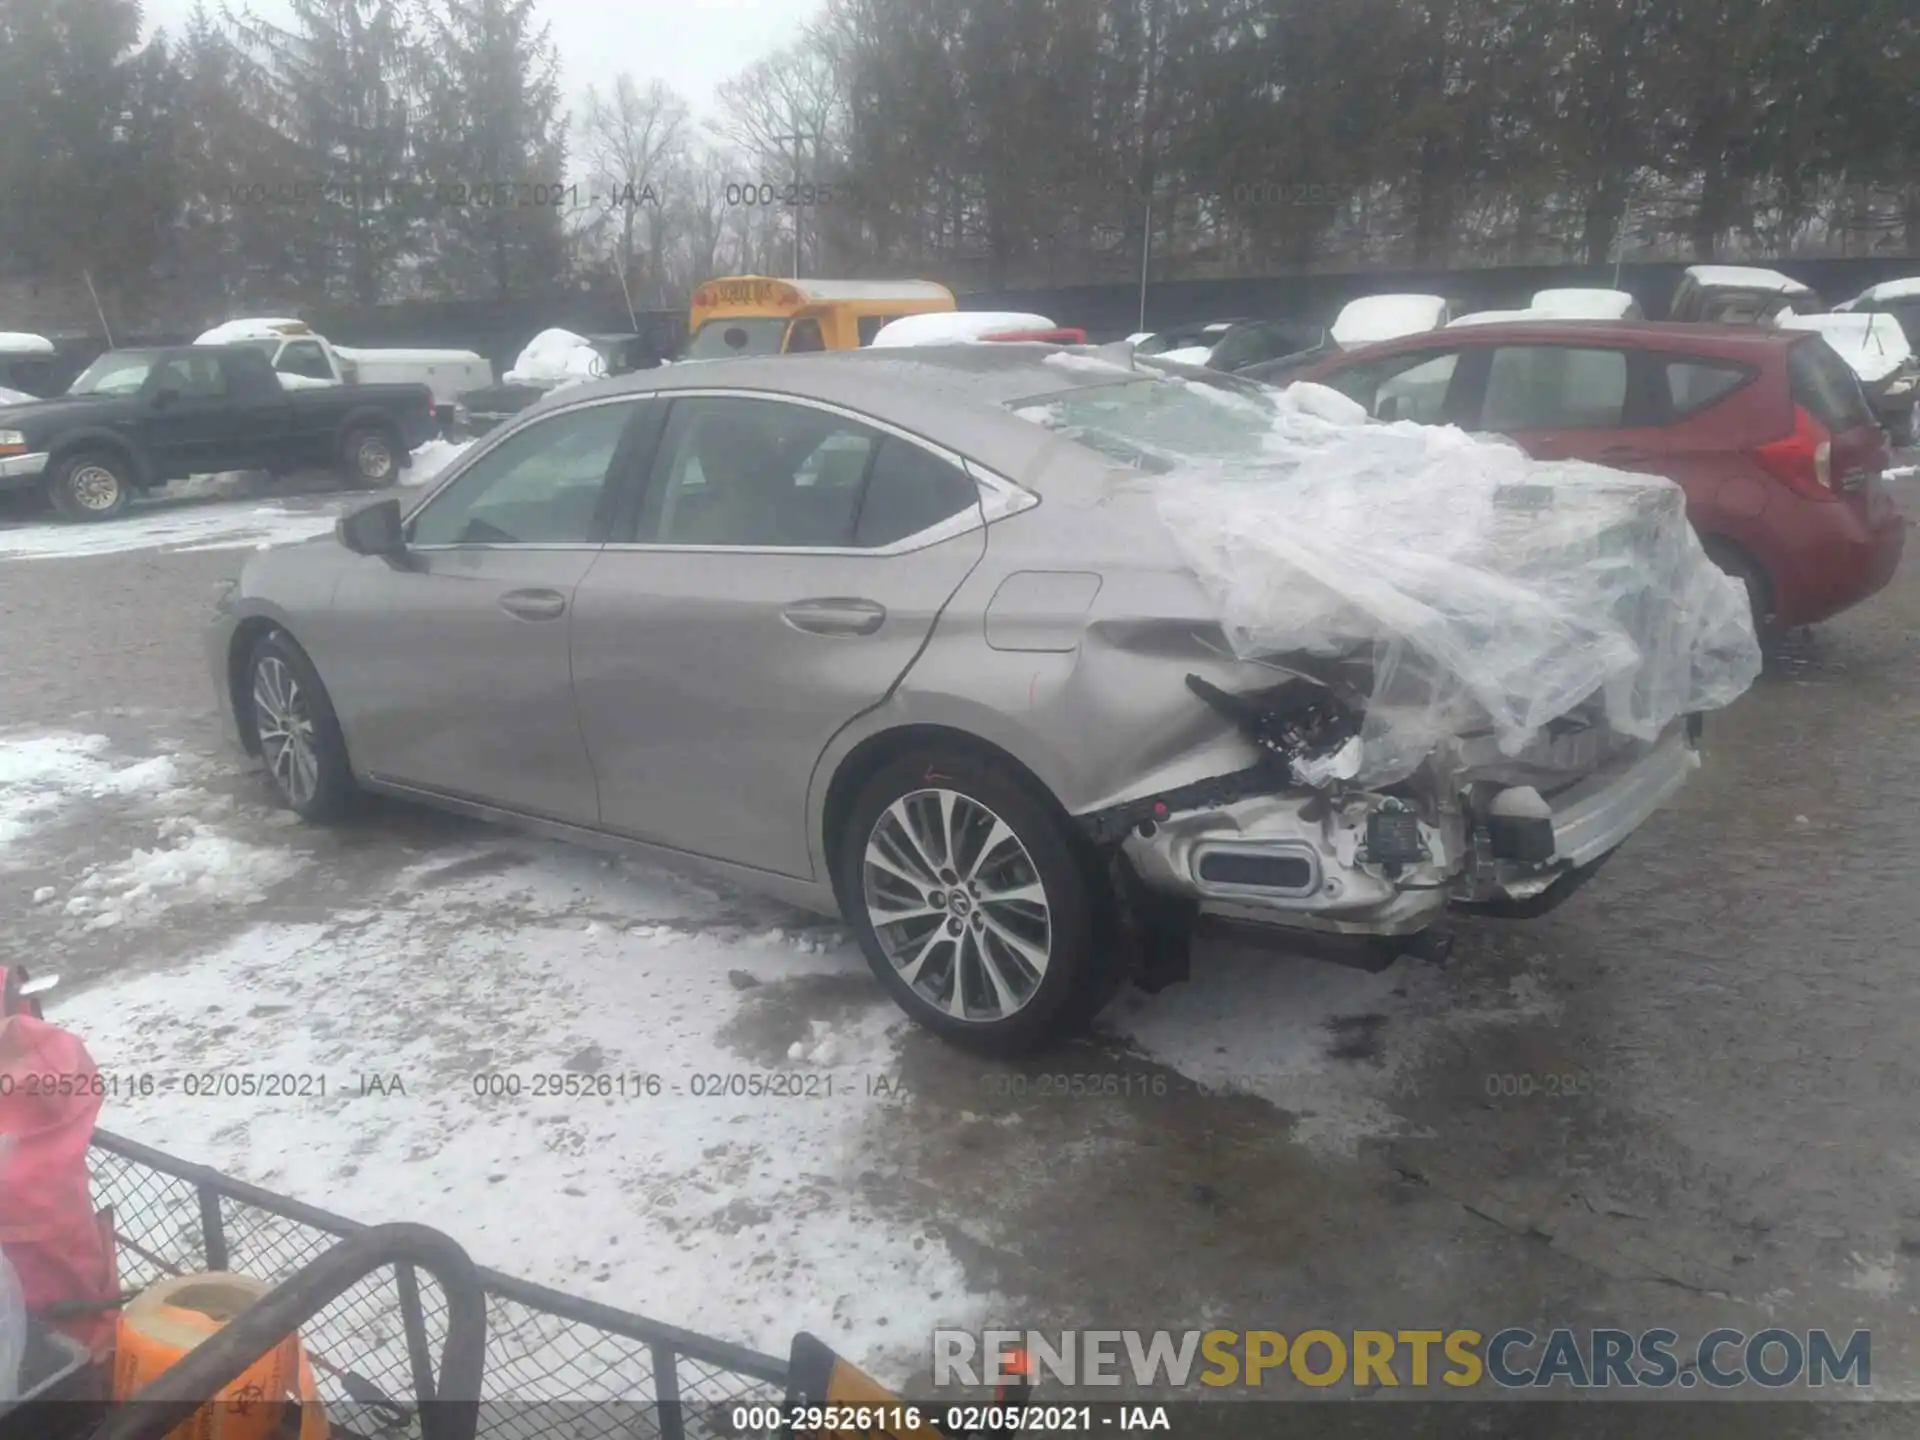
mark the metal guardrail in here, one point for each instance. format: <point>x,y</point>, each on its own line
<point>557,1365</point>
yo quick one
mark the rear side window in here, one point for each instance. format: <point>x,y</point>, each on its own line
<point>1826,386</point>
<point>908,491</point>
<point>1555,387</point>
<point>1693,385</point>
<point>804,336</point>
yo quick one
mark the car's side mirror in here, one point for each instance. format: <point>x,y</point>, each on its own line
<point>165,397</point>
<point>373,530</point>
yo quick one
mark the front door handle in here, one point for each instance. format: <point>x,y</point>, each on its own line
<point>534,604</point>
<point>835,615</point>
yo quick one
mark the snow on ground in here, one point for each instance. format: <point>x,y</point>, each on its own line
<point>572,1037</point>
<point>225,524</point>
<point>43,773</point>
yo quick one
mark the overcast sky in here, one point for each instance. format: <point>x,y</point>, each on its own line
<point>691,44</point>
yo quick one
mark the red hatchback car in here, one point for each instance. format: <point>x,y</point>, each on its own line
<point>1766,431</point>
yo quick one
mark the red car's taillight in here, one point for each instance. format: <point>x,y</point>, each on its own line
<point>1804,459</point>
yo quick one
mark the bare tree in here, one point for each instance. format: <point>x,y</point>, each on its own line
<point>630,139</point>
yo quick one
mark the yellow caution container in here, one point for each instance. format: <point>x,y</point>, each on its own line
<point>169,1319</point>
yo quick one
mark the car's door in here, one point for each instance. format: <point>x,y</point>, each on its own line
<point>185,423</point>
<point>786,563</point>
<point>450,670</point>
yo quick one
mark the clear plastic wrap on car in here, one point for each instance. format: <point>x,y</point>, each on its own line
<point>1490,592</point>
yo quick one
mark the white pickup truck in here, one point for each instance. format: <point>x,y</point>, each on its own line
<point>303,358</point>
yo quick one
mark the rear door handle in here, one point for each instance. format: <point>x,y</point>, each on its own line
<point>835,615</point>
<point>534,604</point>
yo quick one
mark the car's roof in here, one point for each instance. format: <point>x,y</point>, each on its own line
<point>954,395</point>
<point>1644,334</point>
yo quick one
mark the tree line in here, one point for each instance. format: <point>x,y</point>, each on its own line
<point>379,150</point>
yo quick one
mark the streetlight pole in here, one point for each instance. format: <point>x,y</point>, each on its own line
<point>796,139</point>
<point>1146,249</point>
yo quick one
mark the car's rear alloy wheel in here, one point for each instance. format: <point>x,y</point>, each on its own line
<point>300,741</point>
<point>371,458</point>
<point>972,901</point>
<point>958,905</point>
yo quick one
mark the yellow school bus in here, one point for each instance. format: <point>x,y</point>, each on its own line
<point>755,315</point>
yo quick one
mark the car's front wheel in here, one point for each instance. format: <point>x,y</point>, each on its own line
<point>93,485</point>
<point>973,901</point>
<point>301,745</point>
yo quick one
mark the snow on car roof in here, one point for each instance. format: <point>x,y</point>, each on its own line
<point>253,328</point>
<point>1873,344</point>
<point>1904,289</point>
<point>1495,317</point>
<point>20,342</point>
<point>946,326</point>
<point>1374,318</point>
<point>1581,302</point>
<point>1745,277</point>
<point>823,290</point>
<point>16,397</point>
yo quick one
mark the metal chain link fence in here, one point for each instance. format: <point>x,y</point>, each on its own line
<point>558,1367</point>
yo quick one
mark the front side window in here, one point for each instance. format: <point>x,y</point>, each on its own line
<point>1554,387</point>
<point>763,473</point>
<point>541,485</point>
<point>112,374</point>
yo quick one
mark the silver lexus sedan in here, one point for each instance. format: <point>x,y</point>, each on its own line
<point>857,629</point>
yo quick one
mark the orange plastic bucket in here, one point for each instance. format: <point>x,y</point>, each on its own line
<point>169,1319</point>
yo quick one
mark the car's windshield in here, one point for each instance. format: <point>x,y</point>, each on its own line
<point>717,339</point>
<point>1157,424</point>
<point>113,374</point>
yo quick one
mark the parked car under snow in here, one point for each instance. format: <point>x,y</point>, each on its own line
<point>1020,659</point>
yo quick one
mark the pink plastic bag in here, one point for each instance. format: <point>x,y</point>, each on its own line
<point>59,1247</point>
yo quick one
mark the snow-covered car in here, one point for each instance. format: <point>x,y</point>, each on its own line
<point>28,363</point>
<point>1898,298</point>
<point>1373,318</point>
<point>1878,351</point>
<point>1235,345</point>
<point>296,351</point>
<point>1580,302</point>
<point>1019,658</point>
<point>1739,295</point>
<point>1493,317</point>
<point>944,327</point>
<point>552,359</point>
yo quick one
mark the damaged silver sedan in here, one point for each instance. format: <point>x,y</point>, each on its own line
<point>1020,658</point>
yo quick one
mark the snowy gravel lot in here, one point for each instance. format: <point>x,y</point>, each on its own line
<point>1278,1143</point>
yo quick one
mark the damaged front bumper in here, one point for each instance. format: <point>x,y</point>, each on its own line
<point>1355,862</point>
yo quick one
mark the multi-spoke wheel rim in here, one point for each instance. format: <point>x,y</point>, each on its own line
<point>286,730</point>
<point>373,457</point>
<point>958,905</point>
<point>94,487</point>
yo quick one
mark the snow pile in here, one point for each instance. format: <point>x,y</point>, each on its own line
<point>556,356</point>
<point>19,342</point>
<point>1583,303</point>
<point>947,327</point>
<point>16,397</point>
<point>1373,318</point>
<point>1873,344</point>
<point>1487,590</point>
<point>41,773</point>
<point>433,457</point>
<point>200,865</point>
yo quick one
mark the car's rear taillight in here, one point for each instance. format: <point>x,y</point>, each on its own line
<point>1804,458</point>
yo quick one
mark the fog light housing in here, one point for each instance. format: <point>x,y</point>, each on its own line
<point>1393,836</point>
<point>1521,824</point>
